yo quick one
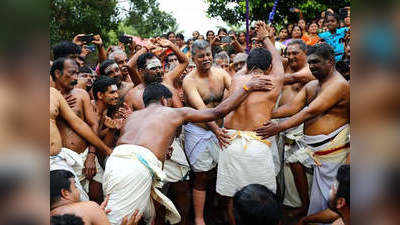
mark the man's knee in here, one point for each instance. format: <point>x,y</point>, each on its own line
<point>201,180</point>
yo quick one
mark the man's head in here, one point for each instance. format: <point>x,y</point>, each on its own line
<point>172,61</point>
<point>222,60</point>
<point>86,77</point>
<point>171,36</point>
<point>62,187</point>
<point>64,72</point>
<point>157,93</point>
<point>321,60</point>
<point>296,54</point>
<point>105,90</point>
<point>150,66</point>
<point>331,21</point>
<point>121,59</point>
<point>340,193</point>
<point>66,49</point>
<point>239,61</point>
<point>202,55</point>
<point>180,40</point>
<point>66,219</point>
<point>255,204</point>
<point>111,69</point>
<point>259,59</point>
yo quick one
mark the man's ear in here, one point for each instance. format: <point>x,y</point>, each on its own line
<point>164,101</point>
<point>65,193</point>
<point>340,203</point>
<point>58,73</point>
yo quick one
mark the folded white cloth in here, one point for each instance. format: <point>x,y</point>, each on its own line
<point>131,178</point>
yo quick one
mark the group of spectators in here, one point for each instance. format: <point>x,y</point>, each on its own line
<point>108,160</point>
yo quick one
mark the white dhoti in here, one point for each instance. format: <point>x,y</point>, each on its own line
<point>131,178</point>
<point>247,160</point>
<point>99,172</point>
<point>176,168</point>
<point>325,153</point>
<point>201,147</point>
<point>70,161</point>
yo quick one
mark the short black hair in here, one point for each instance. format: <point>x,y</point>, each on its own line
<point>101,84</point>
<point>104,66</point>
<point>323,49</point>
<point>343,177</point>
<point>59,179</point>
<point>66,219</point>
<point>154,92</point>
<point>141,62</point>
<point>255,204</point>
<point>299,42</point>
<point>259,58</point>
<point>180,36</point>
<point>85,69</point>
<point>65,48</point>
<point>58,64</point>
<point>209,31</point>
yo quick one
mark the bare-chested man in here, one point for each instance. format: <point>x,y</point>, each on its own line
<point>133,171</point>
<point>204,88</point>
<point>248,159</point>
<point>62,158</point>
<point>324,107</point>
<point>64,72</point>
<point>297,75</point>
<point>149,67</point>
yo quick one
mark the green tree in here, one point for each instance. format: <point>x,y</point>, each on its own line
<point>234,11</point>
<point>71,17</point>
<point>148,20</point>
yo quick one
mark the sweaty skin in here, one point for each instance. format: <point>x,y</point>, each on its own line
<point>159,121</point>
<point>257,107</point>
<point>59,109</point>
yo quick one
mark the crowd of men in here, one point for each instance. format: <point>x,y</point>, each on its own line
<point>207,131</point>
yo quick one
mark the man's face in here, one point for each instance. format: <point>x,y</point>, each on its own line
<point>122,62</point>
<point>331,23</point>
<point>239,65</point>
<point>210,36</point>
<point>75,196</point>
<point>87,79</point>
<point>153,71</point>
<point>69,76</point>
<point>319,66</point>
<point>110,97</point>
<point>172,61</point>
<point>296,57</point>
<point>113,71</point>
<point>222,63</point>
<point>171,37</point>
<point>203,59</point>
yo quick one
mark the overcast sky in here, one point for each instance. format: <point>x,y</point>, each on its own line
<point>190,16</point>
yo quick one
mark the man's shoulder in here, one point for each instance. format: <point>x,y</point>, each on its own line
<point>79,92</point>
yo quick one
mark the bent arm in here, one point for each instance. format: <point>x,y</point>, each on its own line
<point>81,127</point>
<point>292,107</point>
<point>132,67</point>
<point>328,98</point>
<point>180,68</point>
<point>325,216</point>
<point>303,76</point>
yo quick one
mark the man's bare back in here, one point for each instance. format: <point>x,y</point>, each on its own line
<point>90,212</point>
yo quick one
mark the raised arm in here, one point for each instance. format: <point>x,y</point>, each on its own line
<point>183,61</point>
<point>257,83</point>
<point>132,65</point>
<point>289,109</point>
<point>79,126</point>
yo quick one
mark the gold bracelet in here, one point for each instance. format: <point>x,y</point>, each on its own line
<point>245,87</point>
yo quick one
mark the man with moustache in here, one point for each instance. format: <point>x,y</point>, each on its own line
<point>150,69</point>
<point>323,105</point>
<point>297,75</point>
<point>64,72</point>
<point>204,88</point>
<point>86,78</point>
<point>111,69</point>
<point>122,60</point>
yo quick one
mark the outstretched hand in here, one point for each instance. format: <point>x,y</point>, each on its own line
<point>268,129</point>
<point>259,83</point>
<point>262,30</point>
<point>134,220</point>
